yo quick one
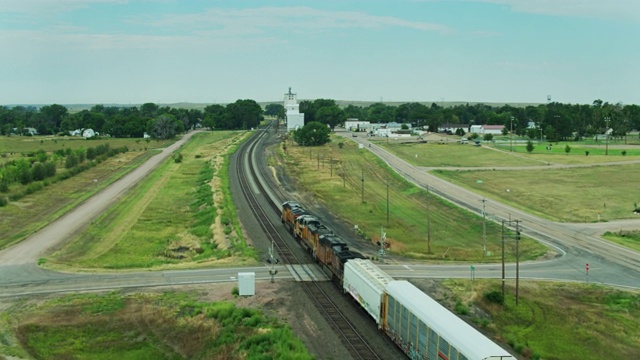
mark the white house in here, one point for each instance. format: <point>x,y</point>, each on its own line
<point>87,133</point>
<point>293,117</point>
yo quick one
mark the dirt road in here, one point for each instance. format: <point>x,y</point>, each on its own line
<point>54,234</point>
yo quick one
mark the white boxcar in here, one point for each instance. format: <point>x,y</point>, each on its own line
<point>424,329</point>
<point>366,283</point>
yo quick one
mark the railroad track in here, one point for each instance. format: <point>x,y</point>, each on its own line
<point>251,186</point>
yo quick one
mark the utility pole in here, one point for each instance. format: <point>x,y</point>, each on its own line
<point>502,232</point>
<point>428,221</point>
<point>606,135</point>
<point>331,166</point>
<point>362,201</point>
<point>484,229</point>
<point>387,200</point>
<point>511,146</point>
<point>517,260</point>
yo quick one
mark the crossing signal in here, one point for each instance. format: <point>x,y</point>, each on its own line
<point>587,266</point>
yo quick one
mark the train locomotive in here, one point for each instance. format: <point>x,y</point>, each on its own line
<point>416,323</point>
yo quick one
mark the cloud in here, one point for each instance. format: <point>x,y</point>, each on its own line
<point>293,19</point>
<point>49,7</point>
<point>610,9</point>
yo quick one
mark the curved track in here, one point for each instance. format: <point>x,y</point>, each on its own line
<point>251,186</point>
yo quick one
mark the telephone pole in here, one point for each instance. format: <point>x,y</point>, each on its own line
<point>484,229</point>
<point>428,221</point>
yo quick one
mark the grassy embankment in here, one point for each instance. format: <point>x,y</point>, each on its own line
<point>143,326</point>
<point>555,321</point>
<point>584,194</point>
<point>21,218</point>
<point>456,234</point>
<point>181,215</point>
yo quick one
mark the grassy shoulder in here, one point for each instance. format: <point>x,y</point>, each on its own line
<point>334,175</point>
<point>630,239</point>
<point>553,320</point>
<point>590,194</point>
<point>181,215</point>
<point>171,325</point>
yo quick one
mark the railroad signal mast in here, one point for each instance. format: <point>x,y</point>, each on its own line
<point>383,245</point>
<point>272,261</point>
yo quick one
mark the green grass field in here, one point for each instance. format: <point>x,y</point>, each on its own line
<point>556,321</point>
<point>143,326</point>
<point>590,194</point>
<point>169,219</point>
<point>457,155</point>
<point>456,234</point>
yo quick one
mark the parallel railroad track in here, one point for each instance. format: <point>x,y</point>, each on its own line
<point>249,183</point>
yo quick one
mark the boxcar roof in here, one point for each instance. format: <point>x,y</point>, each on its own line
<point>464,337</point>
<point>371,273</point>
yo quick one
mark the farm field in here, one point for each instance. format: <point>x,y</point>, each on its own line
<point>18,145</point>
<point>588,194</point>
<point>19,219</point>
<point>553,321</point>
<point>334,172</point>
<point>180,215</point>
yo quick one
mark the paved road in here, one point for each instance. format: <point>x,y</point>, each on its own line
<point>610,264</point>
<point>578,243</point>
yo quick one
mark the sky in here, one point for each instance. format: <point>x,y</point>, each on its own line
<point>169,51</point>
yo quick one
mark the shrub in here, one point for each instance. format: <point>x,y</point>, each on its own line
<point>494,296</point>
<point>235,291</point>
<point>178,158</point>
<point>586,153</point>
<point>461,309</point>
<point>3,201</point>
<point>624,152</point>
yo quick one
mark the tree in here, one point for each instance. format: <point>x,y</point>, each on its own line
<point>331,115</point>
<point>312,134</point>
<point>164,126</point>
<point>214,116</point>
<point>530,146</point>
<point>487,137</point>
<point>276,110</point>
<point>242,114</point>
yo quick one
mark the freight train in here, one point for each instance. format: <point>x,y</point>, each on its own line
<point>416,323</point>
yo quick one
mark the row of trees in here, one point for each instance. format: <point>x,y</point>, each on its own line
<point>131,121</point>
<point>558,121</point>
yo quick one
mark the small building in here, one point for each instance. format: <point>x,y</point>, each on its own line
<point>451,128</point>
<point>293,118</point>
<point>356,125</point>
<point>88,133</point>
<point>486,129</point>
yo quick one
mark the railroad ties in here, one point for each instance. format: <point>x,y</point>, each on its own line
<point>306,272</point>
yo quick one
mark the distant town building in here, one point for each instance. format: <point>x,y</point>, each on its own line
<point>486,129</point>
<point>293,118</point>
